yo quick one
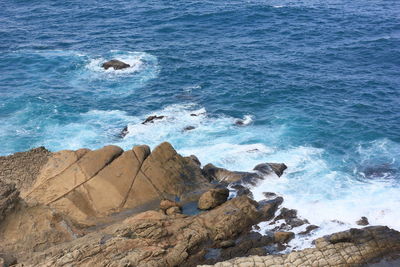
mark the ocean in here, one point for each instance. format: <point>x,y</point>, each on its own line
<point>317,84</point>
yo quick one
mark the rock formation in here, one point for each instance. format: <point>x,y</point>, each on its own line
<point>355,247</point>
<point>109,207</point>
<point>89,185</point>
<point>115,64</point>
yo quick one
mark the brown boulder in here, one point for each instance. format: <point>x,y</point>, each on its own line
<point>213,198</point>
<point>115,64</point>
<point>283,237</point>
<point>166,204</point>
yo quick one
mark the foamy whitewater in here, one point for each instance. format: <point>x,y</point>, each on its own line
<point>314,83</point>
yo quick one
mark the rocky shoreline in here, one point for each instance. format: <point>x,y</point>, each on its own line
<point>110,207</point>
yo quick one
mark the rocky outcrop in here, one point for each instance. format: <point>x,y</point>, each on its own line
<point>115,64</point>
<point>88,185</point>
<point>354,247</point>
<point>9,198</point>
<point>154,239</point>
<point>153,118</point>
<point>226,176</point>
<point>213,198</point>
<point>22,168</point>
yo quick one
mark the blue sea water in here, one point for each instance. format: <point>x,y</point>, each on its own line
<point>318,83</point>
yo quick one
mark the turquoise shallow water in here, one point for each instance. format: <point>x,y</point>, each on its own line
<point>318,82</point>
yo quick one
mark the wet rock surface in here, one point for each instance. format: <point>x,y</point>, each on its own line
<point>81,208</point>
<point>355,247</point>
<point>153,118</point>
<point>115,64</point>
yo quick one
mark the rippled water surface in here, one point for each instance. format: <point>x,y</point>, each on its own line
<point>318,83</point>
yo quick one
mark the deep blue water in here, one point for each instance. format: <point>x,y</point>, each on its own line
<point>319,81</point>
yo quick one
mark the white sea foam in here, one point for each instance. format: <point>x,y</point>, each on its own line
<point>138,61</point>
<point>325,195</point>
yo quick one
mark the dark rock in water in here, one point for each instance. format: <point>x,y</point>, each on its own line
<point>267,168</point>
<point>242,190</point>
<point>309,229</point>
<point>291,219</point>
<point>226,176</point>
<point>269,207</point>
<point>247,245</point>
<point>115,64</point>
<point>124,132</point>
<point>363,221</point>
<point>213,198</point>
<point>188,128</point>
<point>379,171</point>
<point>240,123</point>
<point>269,195</point>
<point>151,119</point>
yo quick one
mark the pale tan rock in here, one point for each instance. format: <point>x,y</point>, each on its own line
<point>213,198</point>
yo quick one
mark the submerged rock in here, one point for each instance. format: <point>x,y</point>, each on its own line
<point>124,132</point>
<point>226,176</point>
<point>267,168</point>
<point>151,119</point>
<point>188,128</point>
<point>115,64</point>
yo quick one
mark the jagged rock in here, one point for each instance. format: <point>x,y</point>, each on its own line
<point>224,175</point>
<point>267,168</point>
<point>188,128</point>
<point>291,219</point>
<point>213,198</point>
<point>355,247</point>
<point>363,221</point>
<point>242,190</point>
<point>22,168</point>
<point>115,64</point>
<point>130,179</point>
<point>9,198</point>
<point>269,207</point>
<point>151,119</point>
<point>124,132</point>
<point>309,229</point>
<point>153,239</point>
<point>283,237</point>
